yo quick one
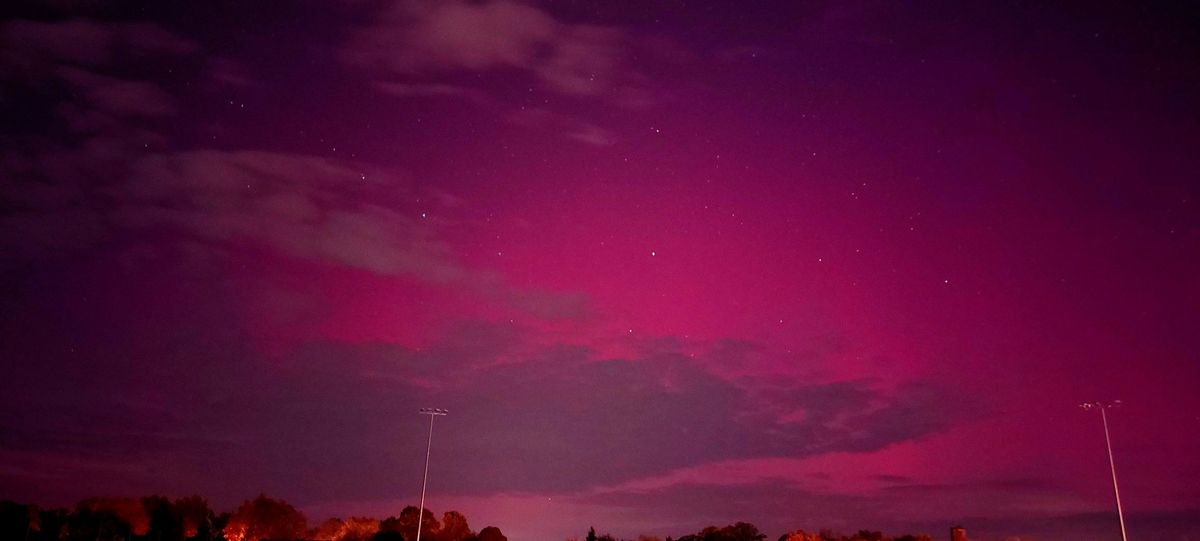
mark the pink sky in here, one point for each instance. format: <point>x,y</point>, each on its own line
<point>843,265</point>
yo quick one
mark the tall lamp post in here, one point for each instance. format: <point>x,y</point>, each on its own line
<point>1104,407</point>
<point>432,413</point>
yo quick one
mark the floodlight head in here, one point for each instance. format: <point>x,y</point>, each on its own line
<point>432,411</point>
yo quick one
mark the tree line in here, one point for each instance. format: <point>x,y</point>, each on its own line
<point>744,531</point>
<point>156,518</point>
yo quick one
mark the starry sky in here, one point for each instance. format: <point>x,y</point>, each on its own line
<point>668,264</point>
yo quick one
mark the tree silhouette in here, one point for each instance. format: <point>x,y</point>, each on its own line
<point>491,533</point>
<point>265,518</point>
<point>742,531</point>
<point>406,524</point>
<point>52,525</point>
<point>218,526</point>
<point>454,527</point>
<point>163,522</point>
<point>155,518</point>
<point>331,530</point>
<point>351,529</point>
<point>100,524</point>
<point>16,520</point>
<point>129,511</point>
<point>196,518</point>
<point>801,535</point>
<point>360,528</point>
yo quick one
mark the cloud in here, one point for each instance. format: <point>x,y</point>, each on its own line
<point>424,90</point>
<point>413,38</point>
<point>79,127</point>
<point>120,97</point>
<point>31,47</point>
<point>551,305</point>
<point>528,414</point>
<point>574,128</point>
<point>592,135</point>
<point>418,49</point>
<point>28,43</point>
<point>101,183</point>
<point>318,209</point>
<point>337,212</point>
<point>307,207</point>
<point>563,418</point>
<point>225,71</point>
<point>433,90</point>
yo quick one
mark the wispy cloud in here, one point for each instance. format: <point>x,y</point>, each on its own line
<point>435,49</point>
<point>573,127</point>
<point>414,38</point>
<point>104,183</point>
<point>423,89</point>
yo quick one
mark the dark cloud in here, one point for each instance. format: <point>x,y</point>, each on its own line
<point>120,97</point>
<point>893,479</point>
<point>655,413</point>
<point>34,47</point>
<point>31,44</point>
<point>80,127</point>
<point>330,420</point>
<point>551,305</point>
<point>906,485</point>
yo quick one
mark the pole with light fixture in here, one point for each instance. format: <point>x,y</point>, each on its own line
<point>1104,407</point>
<point>432,413</point>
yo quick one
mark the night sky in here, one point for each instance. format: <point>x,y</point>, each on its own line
<point>668,264</point>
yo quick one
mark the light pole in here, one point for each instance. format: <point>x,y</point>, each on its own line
<point>432,413</point>
<point>1103,407</point>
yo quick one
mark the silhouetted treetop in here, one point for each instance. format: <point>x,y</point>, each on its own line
<point>265,518</point>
